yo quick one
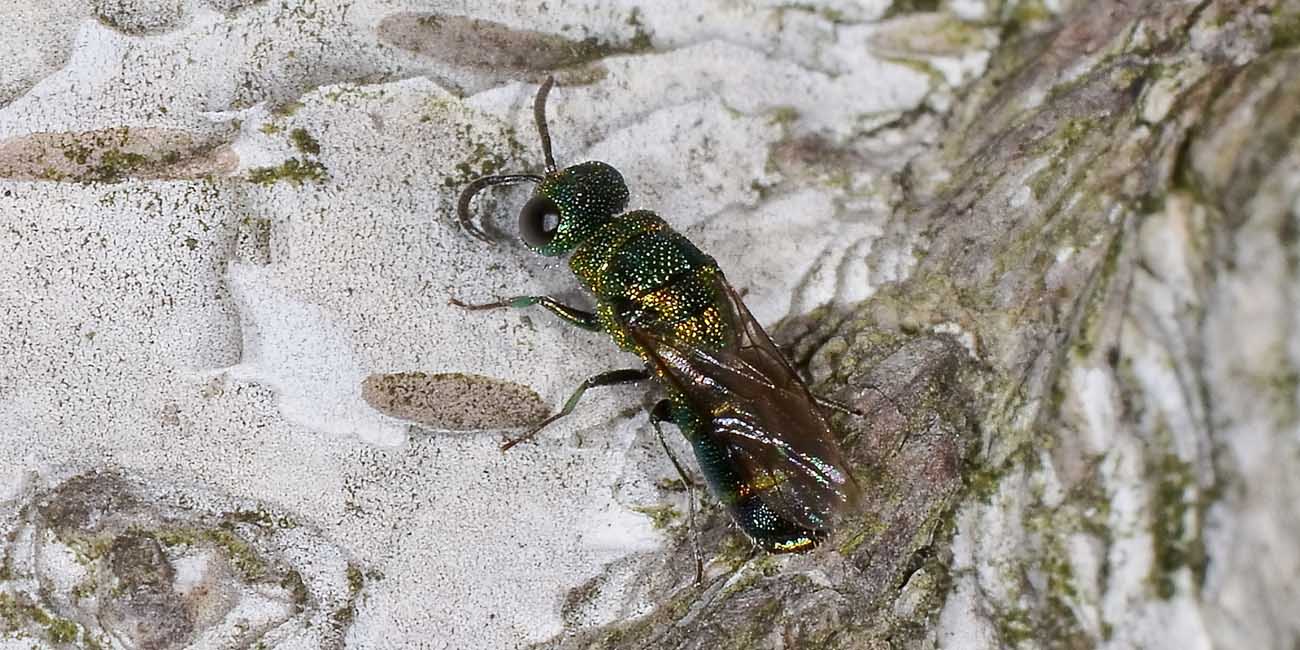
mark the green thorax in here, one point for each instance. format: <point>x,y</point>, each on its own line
<point>635,264</point>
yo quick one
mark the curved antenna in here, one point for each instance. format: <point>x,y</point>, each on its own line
<point>539,116</point>
<point>477,185</point>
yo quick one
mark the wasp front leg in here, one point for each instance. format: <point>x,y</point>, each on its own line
<point>572,315</point>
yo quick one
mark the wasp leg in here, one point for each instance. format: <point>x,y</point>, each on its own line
<point>660,413</point>
<point>833,405</point>
<point>611,378</point>
<point>574,316</point>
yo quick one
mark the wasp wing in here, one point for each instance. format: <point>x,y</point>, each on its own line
<point>759,411</point>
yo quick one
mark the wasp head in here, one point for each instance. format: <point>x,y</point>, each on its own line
<point>568,204</point>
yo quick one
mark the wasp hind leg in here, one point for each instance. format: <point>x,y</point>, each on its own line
<point>611,378</point>
<point>661,412</point>
<point>572,315</point>
<point>826,402</point>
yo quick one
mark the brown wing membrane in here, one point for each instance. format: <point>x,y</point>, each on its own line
<point>762,414</point>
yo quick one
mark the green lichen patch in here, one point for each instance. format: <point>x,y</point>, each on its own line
<point>1176,538</point>
<point>304,142</point>
<point>1286,29</point>
<point>127,543</point>
<point>1026,17</point>
<point>258,517</point>
<point>140,20</point>
<point>343,617</point>
<point>483,161</point>
<point>88,548</point>
<point>12,612</point>
<point>983,481</point>
<point>110,155</point>
<point>241,555</point>
<point>294,171</point>
<point>22,617</point>
<point>356,579</point>
<point>660,516</point>
<point>866,527</point>
<point>1045,615</point>
<point>114,165</point>
<point>287,109</point>
<point>293,583</point>
<point>62,630</point>
<point>1281,387</point>
<point>245,559</point>
<point>1014,627</point>
<point>485,157</point>
<point>784,115</point>
<point>734,551</point>
<point>903,7</point>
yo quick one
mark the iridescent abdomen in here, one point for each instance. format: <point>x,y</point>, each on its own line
<point>776,534</point>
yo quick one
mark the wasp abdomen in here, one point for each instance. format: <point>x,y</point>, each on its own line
<point>776,534</point>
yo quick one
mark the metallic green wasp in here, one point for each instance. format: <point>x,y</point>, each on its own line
<point>760,436</point>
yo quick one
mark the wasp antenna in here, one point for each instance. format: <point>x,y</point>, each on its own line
<point>539,115</point>
<point>477,185</point>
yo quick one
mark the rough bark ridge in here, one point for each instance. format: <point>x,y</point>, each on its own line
<point>1109,225</point>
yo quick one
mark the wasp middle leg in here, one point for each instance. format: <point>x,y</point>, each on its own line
<point>611,378</point>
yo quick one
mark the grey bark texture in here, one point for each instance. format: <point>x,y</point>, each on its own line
<point>1049,250</point>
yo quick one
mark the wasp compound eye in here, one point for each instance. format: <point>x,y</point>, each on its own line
<point>538,221</point>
